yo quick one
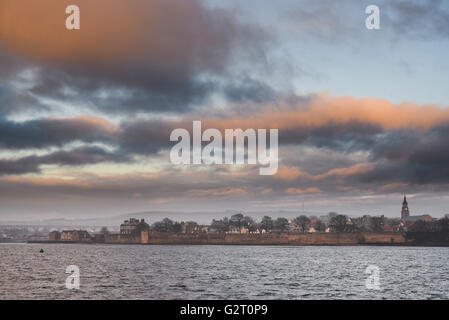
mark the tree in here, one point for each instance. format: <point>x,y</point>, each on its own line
<point>332,214</point>
<point>376,224</point>
<point>165,225</point>
<point>359,224</point>
<point>302,222</point>
<point>339,222</point>
<point>266,223</point>
<point>236,220</point>
<point>177,227</point>
<point>249,223</point>
<point>280,224</point>
<point>220,225</point>
<point>319,226</point>
<point>105,230</point>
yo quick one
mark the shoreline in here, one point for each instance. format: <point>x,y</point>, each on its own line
<point>247,244</point>
<point>152,237</point>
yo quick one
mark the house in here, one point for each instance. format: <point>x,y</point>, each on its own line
<point>54,236</point>
<point>189,227</point>
<point>233,229</point>
<point>75,235</point>
<point>99,237</point>
<point>244,230</point>
<point>133,226</point>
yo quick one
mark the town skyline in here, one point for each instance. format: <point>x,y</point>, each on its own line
<point>205,216</point>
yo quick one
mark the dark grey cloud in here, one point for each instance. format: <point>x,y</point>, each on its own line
<point>348,137</point>
<point>42,133</point>
<point>13,98</point>
<point>75,157</point>
<point>145,137</point>
<point>409,156</point>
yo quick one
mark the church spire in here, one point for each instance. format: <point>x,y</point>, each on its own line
<point>405,213</point>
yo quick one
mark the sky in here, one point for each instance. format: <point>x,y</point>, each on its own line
<point>86,115</point>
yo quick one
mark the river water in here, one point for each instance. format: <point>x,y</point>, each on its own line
<point>223,272</point>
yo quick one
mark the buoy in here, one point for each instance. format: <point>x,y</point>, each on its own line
<point>41,251</point>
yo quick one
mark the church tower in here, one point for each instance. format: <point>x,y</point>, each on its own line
<point>405,213</point>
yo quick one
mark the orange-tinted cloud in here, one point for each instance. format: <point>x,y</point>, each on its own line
<point>167,32</point>
<point>289,173</point>
<point>220,192</point>
<point>394,186</point>
<point>358,168</point>
<point>302,191</point>
<point>323,109</point>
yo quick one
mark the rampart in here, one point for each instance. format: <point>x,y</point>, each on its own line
<point>152,237</point>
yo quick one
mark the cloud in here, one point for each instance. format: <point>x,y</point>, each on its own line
<point>343,22</point>
<point>289,173</point>
<point>46,132</point>
<point>248,89</point>
<point>334,145</point>
<point>302,191</point>
<point>411,157</point>
<point>75,157</point>
<point>160,55</point>
<point>418,19</point>
<point>325,20</point>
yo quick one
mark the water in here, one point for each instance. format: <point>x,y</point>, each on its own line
<point>222,272</point>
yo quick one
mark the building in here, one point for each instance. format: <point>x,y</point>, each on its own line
<point>192,227</point>
<point>407,220</point>
<point>99,237</point>
<point>405,213</point>
<point>424,217</point>
<point>75,235</point>
<point>133,226</point>
<point>54,236</point>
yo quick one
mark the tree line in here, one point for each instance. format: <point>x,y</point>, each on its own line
<point>302,223</point>
<point>437,230</point>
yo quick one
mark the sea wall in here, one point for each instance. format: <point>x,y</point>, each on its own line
<point>121,239</point>
<point>275,238</point>
<point>152,237</point>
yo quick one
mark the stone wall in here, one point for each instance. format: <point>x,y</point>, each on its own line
<point>122,239</point>
<point>151,237</point>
